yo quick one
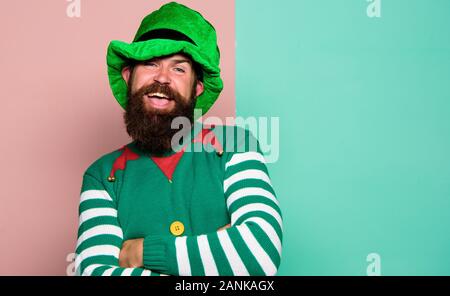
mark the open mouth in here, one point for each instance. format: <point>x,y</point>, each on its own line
<point>158,100</point>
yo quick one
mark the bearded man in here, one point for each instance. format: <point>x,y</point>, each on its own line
<point>151,208</point>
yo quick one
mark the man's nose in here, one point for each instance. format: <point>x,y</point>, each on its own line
<point>162,75</point>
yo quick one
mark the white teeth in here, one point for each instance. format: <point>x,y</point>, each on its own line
<point>158,95</point>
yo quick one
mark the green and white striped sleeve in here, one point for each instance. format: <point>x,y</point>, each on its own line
<point>251,246</point>
<point>100,236</point>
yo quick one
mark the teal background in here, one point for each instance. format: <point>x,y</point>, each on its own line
<point>364,108</point>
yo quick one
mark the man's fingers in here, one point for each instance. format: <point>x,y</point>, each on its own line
<point>122,260</point>
<point>123,255</point>
<point>131,253</point>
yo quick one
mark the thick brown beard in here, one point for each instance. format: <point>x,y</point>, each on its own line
<point>151,129</point>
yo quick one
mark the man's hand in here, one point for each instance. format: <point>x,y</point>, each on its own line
<point>131,253</point>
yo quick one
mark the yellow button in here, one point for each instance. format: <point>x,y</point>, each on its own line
<point>177,228</point>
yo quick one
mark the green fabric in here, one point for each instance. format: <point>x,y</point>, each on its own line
<point>207,192</point>
<point>155,253</point>
<point>182,19</point>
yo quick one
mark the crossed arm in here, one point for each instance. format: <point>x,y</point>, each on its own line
<point>131,254</point>
<point>250,245</point>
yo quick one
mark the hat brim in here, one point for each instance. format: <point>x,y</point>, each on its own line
<point>119,53</point>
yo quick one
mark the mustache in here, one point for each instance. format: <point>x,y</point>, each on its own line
<point>157,87</point>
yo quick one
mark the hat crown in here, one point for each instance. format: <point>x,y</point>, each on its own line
<point>188,22</point>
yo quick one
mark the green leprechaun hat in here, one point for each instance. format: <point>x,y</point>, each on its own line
<point>173,28</point>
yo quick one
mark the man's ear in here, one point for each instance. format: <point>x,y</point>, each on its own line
<point>199,88</point>
<point>126,72</point>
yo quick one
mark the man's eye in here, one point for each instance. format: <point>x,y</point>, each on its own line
<point>180,70</point>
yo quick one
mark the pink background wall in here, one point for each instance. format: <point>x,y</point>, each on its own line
<point>59,116</point>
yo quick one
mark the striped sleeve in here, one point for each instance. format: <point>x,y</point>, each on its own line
<point>253,243</point>
<point>100,236</point>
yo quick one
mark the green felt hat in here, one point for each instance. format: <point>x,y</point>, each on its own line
<point>173,28</point>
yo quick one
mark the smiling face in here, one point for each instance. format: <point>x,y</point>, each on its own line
<point>164,82</point>
<point>160,90</point>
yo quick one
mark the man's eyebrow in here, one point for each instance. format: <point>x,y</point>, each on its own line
<point>174,61</point>
<point>179,61</point>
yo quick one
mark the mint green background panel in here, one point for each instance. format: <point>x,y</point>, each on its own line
<point>364,108</point>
